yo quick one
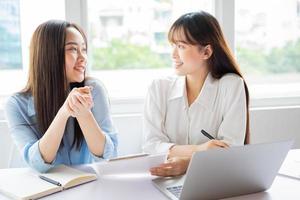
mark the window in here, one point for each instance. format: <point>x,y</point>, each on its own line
<point>129,48</point>
<point>18,20</point>
<point>10,38</point>
<point>128,41</point>
<point>268,46</point>
<point>298,8</point>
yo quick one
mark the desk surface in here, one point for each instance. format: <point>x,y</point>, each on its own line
<point>139,186</point>
<point>116,187</point>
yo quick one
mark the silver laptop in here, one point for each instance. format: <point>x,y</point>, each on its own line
<point>222,173</point>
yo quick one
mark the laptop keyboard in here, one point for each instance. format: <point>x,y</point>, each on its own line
<point>175,190</point>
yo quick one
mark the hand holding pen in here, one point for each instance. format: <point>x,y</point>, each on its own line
<point>177,164</point>
<point>207,135</point>
<point>212,143</point>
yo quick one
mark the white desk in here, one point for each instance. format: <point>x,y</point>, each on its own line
<point>123,187</point>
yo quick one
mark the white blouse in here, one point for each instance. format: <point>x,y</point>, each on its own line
<point>220,109</point>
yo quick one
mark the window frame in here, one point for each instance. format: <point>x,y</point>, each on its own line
<point>76,11</point>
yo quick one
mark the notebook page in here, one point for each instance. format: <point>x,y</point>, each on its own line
<point>24,184</point>
<point>68,176</point>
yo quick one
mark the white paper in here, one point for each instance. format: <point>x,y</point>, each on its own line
<point>129,166</point>
<point>291,165</point>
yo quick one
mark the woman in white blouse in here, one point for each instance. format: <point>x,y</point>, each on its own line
<point>208,94</point>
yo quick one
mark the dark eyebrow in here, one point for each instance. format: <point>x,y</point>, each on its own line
<point>181,41</point>
<point>73,43</point>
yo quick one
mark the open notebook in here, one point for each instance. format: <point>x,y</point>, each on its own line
<point>27,184</point>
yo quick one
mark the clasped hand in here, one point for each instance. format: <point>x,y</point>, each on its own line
<point>79,101</point>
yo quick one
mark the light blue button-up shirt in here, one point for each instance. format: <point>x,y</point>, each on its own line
<point>22,123</point>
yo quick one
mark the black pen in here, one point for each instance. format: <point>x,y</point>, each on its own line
<point>207,135</point>
<point>50,180</point>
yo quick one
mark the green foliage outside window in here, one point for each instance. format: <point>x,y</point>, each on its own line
<point>277,60</point>
<point>123,55</point>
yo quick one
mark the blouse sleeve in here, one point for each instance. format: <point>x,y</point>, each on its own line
<point>233,126</point>
<point>24,137</point>
<point>155,136</point>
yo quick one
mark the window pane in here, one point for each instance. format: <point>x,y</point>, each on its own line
<point>18,20</point>
<point>133,34</point>
<point>33,13</point>
<point>127,35</point>
<point>268,45</point>
<point>10,39</point>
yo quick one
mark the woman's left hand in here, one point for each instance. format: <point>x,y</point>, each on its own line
<point>80,101</point>
<point>173,167</point>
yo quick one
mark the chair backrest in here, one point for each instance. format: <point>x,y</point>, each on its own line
<point>6,145</point>
<point>10,156</point>
<point>15,159</point>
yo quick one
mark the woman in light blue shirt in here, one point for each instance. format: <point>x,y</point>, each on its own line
<point>61,116</point>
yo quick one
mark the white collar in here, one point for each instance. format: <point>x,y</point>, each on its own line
<point>207,95</point>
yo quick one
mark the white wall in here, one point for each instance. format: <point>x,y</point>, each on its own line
<point>130,133</point>
<point>267,124</point>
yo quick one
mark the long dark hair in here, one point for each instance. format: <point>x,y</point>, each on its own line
<point>47,81</point>
<point>201,28</point>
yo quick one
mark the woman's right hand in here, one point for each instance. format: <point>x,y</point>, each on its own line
<point>177,163</point>
<point>211,144</point>
<point>188,150</point>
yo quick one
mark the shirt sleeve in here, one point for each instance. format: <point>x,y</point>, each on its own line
<point>101,111</point>
<point>155,136</point>
<point>24,136</point>
<point>233,126</point>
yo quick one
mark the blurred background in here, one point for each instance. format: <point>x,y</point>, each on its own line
<point>128,48</point>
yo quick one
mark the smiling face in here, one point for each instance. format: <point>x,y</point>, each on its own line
<point>188,58</point>
<point>75,55</point>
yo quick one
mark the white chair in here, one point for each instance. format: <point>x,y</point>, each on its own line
<point>5,144</point>
<point>10,156</point>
